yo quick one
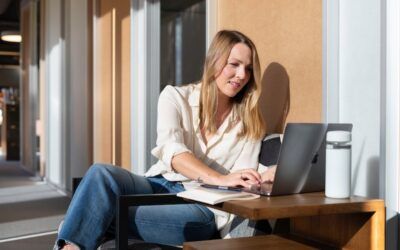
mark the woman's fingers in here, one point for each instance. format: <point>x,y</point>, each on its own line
<point>251,175</point>
<point>245,178</point>
<point>246,184</point>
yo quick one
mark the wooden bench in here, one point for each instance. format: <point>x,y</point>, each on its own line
<point>253,243</point>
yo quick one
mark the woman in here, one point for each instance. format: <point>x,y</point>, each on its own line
<point>208,132</point>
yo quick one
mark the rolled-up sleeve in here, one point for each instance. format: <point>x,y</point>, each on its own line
<point>170,134</point>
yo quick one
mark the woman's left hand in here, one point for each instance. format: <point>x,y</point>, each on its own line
<point>269,174</point>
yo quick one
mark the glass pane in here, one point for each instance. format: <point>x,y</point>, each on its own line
<point>183,41</point>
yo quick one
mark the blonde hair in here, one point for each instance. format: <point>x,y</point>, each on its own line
<point>246,102</point>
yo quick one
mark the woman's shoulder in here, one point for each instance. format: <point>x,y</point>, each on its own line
<point>183,91</point>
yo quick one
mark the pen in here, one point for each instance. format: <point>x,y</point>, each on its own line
<point>222,187</point>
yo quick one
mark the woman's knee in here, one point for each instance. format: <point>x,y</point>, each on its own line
<point>99,171</point>
<point>97,168</point>
<point>119,179</point>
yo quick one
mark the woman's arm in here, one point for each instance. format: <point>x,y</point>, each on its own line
<point>188,165</point>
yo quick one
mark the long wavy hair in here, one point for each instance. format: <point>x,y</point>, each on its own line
<point>246,102</point>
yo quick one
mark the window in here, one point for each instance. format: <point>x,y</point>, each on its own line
<point>182,41</point>
<point>168,47</point>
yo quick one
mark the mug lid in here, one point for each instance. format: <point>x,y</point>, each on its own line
<point>338,136</point>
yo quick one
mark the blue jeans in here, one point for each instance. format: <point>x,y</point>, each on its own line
<point>91,214</point>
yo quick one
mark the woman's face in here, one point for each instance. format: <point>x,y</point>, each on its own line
<point>237,71</point>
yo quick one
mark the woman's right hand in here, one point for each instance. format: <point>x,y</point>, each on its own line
<point>245,178</point>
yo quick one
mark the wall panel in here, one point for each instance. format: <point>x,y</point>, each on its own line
<point>288,36</point>
<point>111,88</point>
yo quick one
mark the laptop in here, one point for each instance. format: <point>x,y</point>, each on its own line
<point>301,160</point>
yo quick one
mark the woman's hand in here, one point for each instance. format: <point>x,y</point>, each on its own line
<point>188,165</point>
<point>245,178</point>
<point>269,174</point>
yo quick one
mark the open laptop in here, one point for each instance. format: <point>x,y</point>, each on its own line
<point>301,160</point>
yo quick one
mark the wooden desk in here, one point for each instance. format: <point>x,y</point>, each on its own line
<point>355,223</point>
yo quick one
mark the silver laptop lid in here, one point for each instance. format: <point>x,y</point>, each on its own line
<point>301,143</point>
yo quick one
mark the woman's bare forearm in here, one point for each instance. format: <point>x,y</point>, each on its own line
<point>188,165</point>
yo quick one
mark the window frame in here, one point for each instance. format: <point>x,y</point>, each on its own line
<point>145,80</point>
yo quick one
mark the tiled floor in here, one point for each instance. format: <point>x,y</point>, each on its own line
<point>40,242</point>
<point>30,210</point>
<point>12,174</point>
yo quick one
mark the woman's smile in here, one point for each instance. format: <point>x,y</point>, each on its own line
<point>235,84</point>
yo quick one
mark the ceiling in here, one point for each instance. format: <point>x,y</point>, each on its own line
<point>9,20</point>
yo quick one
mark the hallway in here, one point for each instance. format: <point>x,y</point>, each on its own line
<point>30,209</point>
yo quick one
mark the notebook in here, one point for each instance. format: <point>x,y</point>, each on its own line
<point>216,194</point>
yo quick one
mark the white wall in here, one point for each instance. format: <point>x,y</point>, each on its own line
<point>145,81</point>
<point>352,83</point>
<point>392,105</point>
<point>78,92</point>
<point>359,89</point>
<point>54,99</point>
<point>390,121</point>
<point>68,92</point>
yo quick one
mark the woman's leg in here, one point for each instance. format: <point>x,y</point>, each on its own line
<point>171,224</point>
<point>92,209</point>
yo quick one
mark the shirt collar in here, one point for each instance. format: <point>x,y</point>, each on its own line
<point>194,97</point>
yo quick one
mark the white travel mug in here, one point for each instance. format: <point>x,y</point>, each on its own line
<point>338,164</point>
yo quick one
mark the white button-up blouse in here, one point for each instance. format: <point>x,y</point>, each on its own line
<point>178,131</point>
